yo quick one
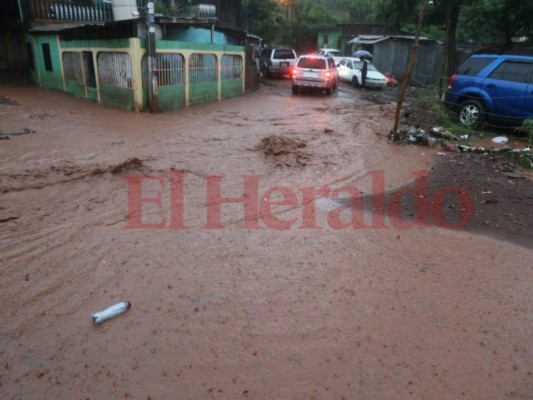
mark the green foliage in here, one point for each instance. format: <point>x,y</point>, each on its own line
<point>508,19</point>
<point>429,101</point>
<point>527,128</point>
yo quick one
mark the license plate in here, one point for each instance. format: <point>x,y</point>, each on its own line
<point>283,64</point>
<point>310,74</point>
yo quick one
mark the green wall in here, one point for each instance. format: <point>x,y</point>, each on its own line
<point>333,38</point>
<point>231,88</point>
<point>116,96</point>
<point>48,79</point>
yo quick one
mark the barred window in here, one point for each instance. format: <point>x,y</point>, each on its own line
<point>231,67</point>
<point>115,69</point>
<point>72,67</point>
<point>202,68</point>
<point>170,69</point>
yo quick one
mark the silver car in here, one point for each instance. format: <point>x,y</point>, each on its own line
<point>316,72</point>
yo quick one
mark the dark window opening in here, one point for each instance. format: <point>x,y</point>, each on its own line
<point>312,63</point>
<point>47,57</point>
<point>512,71</point>
<point>473,66</point>
<point>88,65</point>
<point>282,54</point>
<point>29,49</point>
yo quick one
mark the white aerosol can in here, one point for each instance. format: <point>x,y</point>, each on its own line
<point>111,312</point>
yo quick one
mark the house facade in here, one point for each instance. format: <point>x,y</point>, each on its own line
<point>196,60</point>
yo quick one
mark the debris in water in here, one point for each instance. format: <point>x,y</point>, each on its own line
<point>111,312</point>
<point>6,135</point>
<point>130,163</point>
<point>278,145</point>
<point>500,139</point>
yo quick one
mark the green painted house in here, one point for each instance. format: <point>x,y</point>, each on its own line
<point>338,35</point>
<point>108,63</point>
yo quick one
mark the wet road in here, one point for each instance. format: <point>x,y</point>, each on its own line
<point>226,310</point>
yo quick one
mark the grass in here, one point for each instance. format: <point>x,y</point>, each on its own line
<point>428,98</point>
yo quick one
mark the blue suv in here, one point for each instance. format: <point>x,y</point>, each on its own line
<point>492,87</point>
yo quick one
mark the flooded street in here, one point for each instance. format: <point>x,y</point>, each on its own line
<point>225,306</point>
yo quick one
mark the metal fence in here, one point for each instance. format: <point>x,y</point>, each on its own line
<point>115,69</point>
<point>202,68</point>
<point>74,10</point>
<point>170,67</point>
<point>231,67</point>
<point>72,67</point>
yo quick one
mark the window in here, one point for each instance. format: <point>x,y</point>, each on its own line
<point>314,63</point>
<point>473,66</point>
<point>284,54</point>
<point>88,69</point>
<point>202,68</point>
<point>231,67</point>
<point>72,67</point>
<point>47,57</point>
<point>170,67</point>
<point>115,69</point>
<point>512,71</point>
<point>31,61</point>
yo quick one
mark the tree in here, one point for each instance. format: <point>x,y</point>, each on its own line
<point>508,19</point>
<point>264,18</point>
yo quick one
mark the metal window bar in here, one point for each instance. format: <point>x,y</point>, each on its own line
<point>115,69</point>
<point>72,67</point>
<point>202,68</point>
<point>170,67</point>
<point>231,67</point>
<point>74,10</point>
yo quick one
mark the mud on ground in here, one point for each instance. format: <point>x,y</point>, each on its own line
<point>310,312</point>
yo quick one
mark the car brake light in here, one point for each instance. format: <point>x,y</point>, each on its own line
<point>294,71</point>
<point>328,74</point>
<point>450,83</point>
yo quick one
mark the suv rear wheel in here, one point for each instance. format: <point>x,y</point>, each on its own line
<point>471,113</point>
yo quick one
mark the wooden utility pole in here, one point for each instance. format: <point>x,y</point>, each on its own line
<point>410,66</point>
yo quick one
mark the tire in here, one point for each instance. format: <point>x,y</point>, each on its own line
<point>329,90</point>
<point>295,89</point>
<point>355,82</point>
<point>471,113</point>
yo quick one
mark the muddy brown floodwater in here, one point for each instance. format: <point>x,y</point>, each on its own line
<point>310,312</point>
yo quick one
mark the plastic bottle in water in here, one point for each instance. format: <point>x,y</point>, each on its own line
<point>111,312</point>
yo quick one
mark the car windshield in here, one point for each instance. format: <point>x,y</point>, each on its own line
<point>335,53</point>
<point>284,54</point>
<point>310,62</point>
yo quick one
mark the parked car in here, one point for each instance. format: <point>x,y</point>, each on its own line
<point>333,53</point>
<point>277,61</point>
<point>316,72</point>
<point>350,70</point>
<point>492,87</point>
